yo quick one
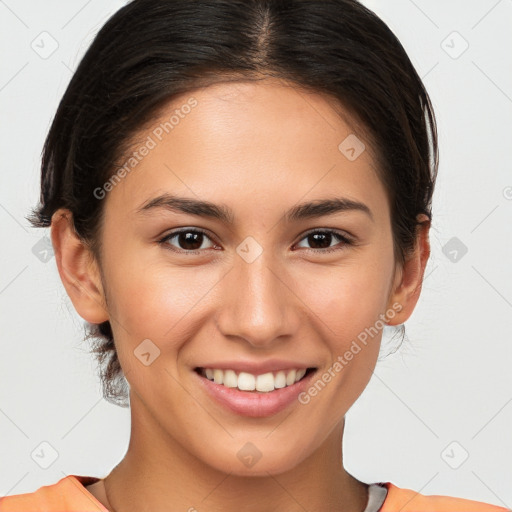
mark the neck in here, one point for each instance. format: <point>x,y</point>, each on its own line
<point>158,474</point>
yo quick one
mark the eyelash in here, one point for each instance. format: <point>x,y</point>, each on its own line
<point>343,238</point>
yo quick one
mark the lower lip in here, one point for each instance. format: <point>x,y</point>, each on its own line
<point>255,404</point>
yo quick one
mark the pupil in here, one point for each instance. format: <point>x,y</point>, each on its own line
<point>190,238</point>
<point>323,238</point>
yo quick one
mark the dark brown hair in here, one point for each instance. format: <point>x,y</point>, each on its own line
<point>150,51</point>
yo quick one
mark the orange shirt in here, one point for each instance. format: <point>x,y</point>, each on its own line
<point>70,495</point>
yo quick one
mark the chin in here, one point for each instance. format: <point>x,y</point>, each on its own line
<point>259,458</point>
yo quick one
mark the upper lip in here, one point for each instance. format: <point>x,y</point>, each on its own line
<point>256,368</point>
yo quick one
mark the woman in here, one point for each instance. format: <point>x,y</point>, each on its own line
<point>239,195</point>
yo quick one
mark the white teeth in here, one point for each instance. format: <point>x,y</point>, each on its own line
<point>300,374</point>
<point>280,380</point>
<point>218,376</point>
<point>230,379</point>
<point>265,382</point>
<point>248,382</point>
<point>290,377</point>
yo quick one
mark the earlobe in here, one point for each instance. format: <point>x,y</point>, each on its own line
<point>78,269</point>
<point>409,278</point>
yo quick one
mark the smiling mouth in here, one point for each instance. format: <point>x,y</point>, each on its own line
<point>263,383</point>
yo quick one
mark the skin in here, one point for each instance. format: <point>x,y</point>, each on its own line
<point>259,148</point>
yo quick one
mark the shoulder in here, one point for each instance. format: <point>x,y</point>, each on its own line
<point>69,494</point>
<point>407,500</point>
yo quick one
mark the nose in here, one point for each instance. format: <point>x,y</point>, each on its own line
<point>258,303</point>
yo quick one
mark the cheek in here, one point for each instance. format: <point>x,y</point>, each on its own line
<point>162,305</point>
<point>348,296</point>
<point>156,300</point>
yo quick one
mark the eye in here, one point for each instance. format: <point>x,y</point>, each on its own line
<point>192,240</point>
<point>189,240</point>
<point>324,238</point>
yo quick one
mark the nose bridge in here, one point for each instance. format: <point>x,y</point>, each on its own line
<point>258,307</point>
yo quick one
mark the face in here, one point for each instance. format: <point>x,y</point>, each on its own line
<point>255,290</point>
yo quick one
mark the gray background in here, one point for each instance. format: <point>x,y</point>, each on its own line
<point>436,416</point>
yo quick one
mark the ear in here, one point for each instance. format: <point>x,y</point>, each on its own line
<point>409,277</point>
<point>78,269</point>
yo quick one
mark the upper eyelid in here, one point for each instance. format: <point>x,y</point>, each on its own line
<point>338,232</point>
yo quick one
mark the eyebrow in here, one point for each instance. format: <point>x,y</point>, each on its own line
<point>308,210</point>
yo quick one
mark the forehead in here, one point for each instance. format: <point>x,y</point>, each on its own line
<point>251,141</point>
